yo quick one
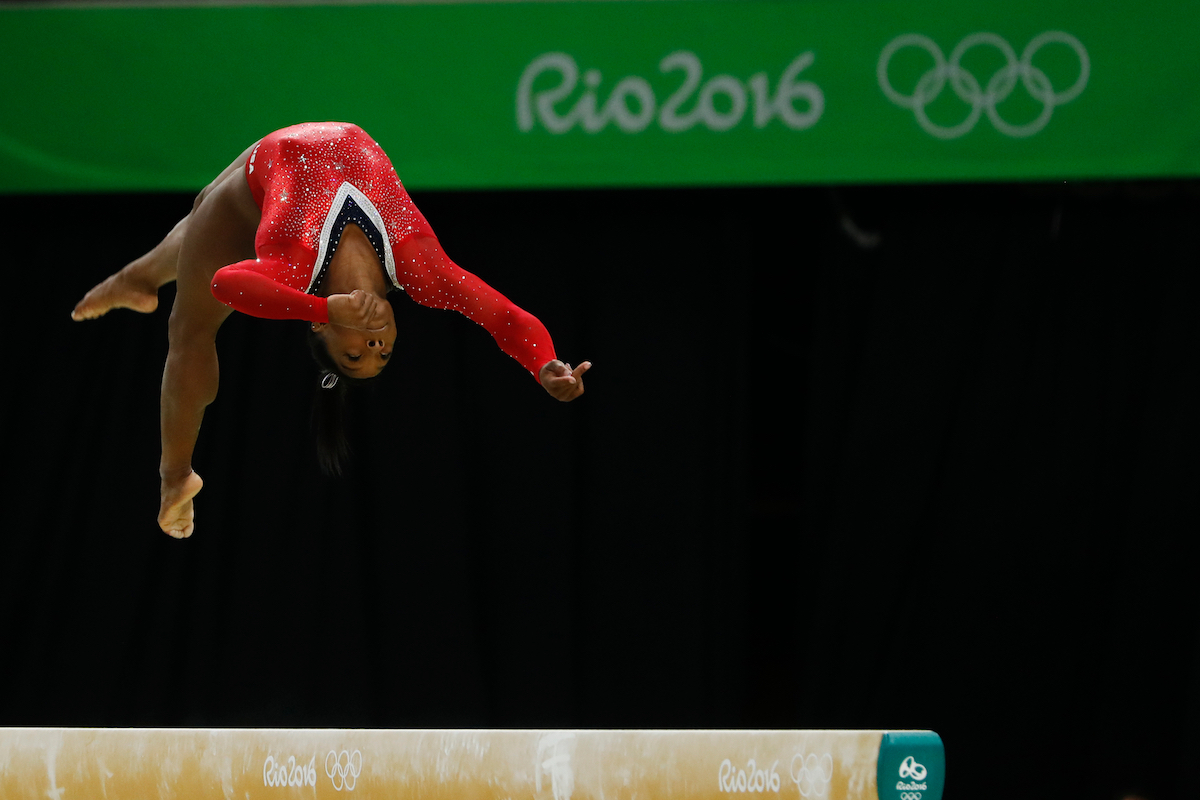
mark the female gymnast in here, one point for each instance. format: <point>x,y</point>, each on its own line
<point>309,223</point>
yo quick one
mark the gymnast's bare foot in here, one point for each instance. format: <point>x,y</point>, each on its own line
<point>120,290</point>
<point>176,513</point>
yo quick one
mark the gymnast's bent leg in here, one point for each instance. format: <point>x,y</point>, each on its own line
<point>136,285</point>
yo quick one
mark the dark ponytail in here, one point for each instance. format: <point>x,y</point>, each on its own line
<point>329,408</point>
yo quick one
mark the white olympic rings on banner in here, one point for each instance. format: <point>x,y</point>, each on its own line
<point>814,774</point>
<point>910,796</point>
<point>968,88</point>
<point>344,770</point>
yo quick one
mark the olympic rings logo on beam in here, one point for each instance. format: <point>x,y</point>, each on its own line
<point>344,769</point>
<point>910,796</point>
<point>968,88</point>
<point>814,774</point>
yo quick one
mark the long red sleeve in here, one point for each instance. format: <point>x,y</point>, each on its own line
<point>425,273</point>
<point>430,278</point>
<point>244,287</point>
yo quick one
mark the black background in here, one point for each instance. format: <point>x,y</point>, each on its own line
<point>943,482</point>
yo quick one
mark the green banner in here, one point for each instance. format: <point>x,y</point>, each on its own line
<point>579,94</point>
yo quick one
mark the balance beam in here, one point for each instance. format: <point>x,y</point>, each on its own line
<point>141,764</point>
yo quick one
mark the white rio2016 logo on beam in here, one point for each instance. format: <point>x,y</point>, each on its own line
<point>632,105</point>
<point>289,773</point>
<point>916,773</point>
<point>968,88</point>
<point>750,779</point>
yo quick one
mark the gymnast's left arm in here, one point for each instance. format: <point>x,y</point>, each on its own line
<point>432,279</point>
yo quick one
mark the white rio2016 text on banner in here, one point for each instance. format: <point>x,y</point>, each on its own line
<point>637,116</point>
<point>750,779</point>
<point>289,773</point>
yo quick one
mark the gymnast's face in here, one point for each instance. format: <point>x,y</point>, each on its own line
<point>359,354</point>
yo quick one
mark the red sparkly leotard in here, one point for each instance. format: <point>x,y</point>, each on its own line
<point>310,181</point>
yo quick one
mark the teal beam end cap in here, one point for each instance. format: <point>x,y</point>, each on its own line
<point>911,766</point>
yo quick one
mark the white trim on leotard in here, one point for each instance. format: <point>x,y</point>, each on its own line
<point>345,191</point>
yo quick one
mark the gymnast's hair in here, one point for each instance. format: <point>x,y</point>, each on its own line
<point>329,408</point>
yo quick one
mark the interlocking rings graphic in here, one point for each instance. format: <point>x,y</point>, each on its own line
<point>911,769</point>
<point>343,769</point>
<point>967,87</point>
<point>814,774</point>
<point>910,796</point>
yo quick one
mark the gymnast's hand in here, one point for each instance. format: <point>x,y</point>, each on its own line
<point>176,514</point>
<point>562,382</point>
<point>359,310</point>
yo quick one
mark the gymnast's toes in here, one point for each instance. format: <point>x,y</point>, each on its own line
<point>114,292</point>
